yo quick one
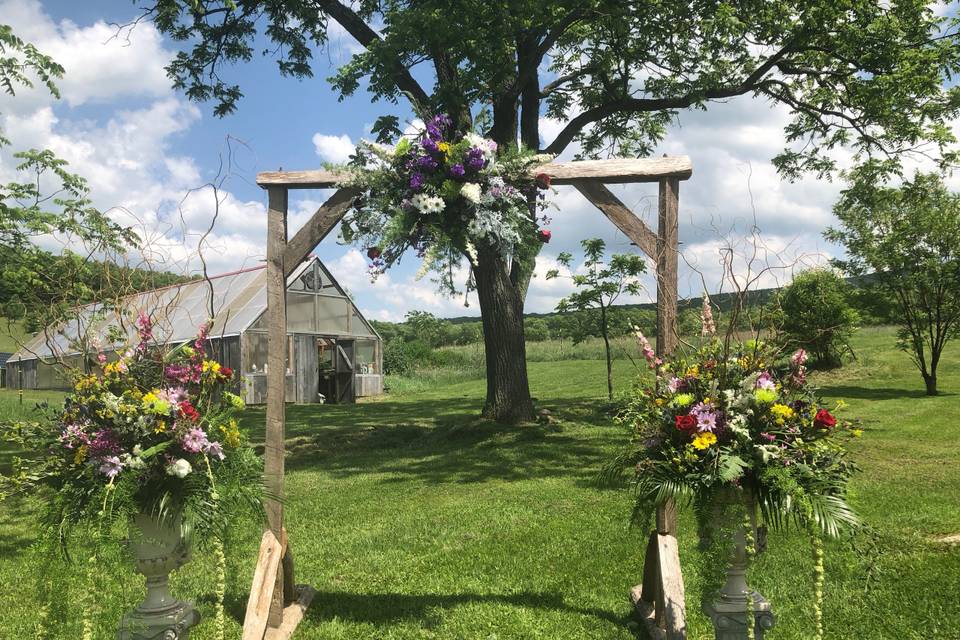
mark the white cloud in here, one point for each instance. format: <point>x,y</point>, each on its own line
<point>335,149</point>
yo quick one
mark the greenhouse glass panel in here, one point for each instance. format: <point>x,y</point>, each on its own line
<point>332,314</point>
<point>365,352</point>
<point>301,312</point>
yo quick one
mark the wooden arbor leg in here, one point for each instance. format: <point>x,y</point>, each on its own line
<point>275,608</point>
<point>660,599</point>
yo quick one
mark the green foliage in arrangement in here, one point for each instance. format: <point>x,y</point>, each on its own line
<point>908,240</point>
<point>813,313</point>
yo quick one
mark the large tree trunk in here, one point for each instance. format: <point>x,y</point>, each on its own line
<point>501,310</point>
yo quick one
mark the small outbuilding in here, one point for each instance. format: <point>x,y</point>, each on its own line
<point>333,353</point>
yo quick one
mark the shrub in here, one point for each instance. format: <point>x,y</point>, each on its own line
<point>815,314</point>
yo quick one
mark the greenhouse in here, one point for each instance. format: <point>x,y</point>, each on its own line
<point>333,353</point>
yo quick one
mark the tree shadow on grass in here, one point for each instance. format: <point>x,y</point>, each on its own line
<point>876,393</point>
<point>445,441</point>
<point>387,608</point>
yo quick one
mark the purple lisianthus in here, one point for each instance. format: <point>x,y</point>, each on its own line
<point>457,171</point>
<point>430,146</point>
<point>676,384</point>
<point>475,159</point>
<point>72,434</point>
<point>195,441</point>
<point>111,466</point>
<point>182,373</point>
<point>437,126</point>
<point>427,163</point>
<point>214,449</point>
<point>416,181</point>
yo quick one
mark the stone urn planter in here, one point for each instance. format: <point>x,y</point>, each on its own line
<point>158,548</point>
<point>736,601</point>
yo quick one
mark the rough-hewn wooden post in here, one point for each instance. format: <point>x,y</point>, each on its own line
<point>276,378</point>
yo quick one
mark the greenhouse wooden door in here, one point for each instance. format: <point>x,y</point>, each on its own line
<point>346,377</point>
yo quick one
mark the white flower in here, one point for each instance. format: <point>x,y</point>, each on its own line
<point>180,468</point>
<point>471,192</point>
<point>427,204</point>
<point>472,252</point>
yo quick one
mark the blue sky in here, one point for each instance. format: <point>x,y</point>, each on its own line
<point>146,151</point>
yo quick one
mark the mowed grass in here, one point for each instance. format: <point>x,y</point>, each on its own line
<point>413,519</point>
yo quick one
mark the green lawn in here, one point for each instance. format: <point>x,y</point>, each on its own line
<point>413,520</point>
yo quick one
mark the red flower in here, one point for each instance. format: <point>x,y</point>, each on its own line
<point>188,411</point>
<point>687,424</point>
<point>543,235</point>
<point>374,252</point>
<point>824,420</point>
<point>226,372</point>
<point>543,180</point>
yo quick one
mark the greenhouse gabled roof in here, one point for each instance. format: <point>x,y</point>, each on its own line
<point>238,299</point>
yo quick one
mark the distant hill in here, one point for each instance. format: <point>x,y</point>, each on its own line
<point>724,301</point>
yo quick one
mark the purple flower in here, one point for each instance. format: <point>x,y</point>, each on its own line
<point>144,329</point>
<point>430,146</point>
<point>457,171</point>
<point>111,466</point>
<point>195,441</point>
<point>475,159</point>
<point>103,444</point>
<point>676,384</point>
<point>437,126</point>
<point>769,437</point>
<point>426,163</point>
<point>182,373</point>
<point>416,181</point>
<point>214,449</point>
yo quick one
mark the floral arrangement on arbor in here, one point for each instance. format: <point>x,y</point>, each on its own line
<point>448,194</point>
<point>152,433</point>
<point>730,424</point>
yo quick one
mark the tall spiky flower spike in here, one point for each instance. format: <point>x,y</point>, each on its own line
<point>706,317</point>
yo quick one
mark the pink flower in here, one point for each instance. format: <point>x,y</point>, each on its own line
<point>648,352</point>
<point>765,381</point>
<point>195,441</point>
<point>675,384</point>
<point>798,358</point>
<point>214,449</point>
<point>111,466</point>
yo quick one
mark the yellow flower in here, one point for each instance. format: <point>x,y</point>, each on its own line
<point>659,402</point>
<point>161,427</point>
<point>211,365</point>
<point>444,147</point>
<point>693,371</point>
<point>704,440</point>
<point>781,412</point>
<point>80,455</point>
<point>856,433</point>
<point>231,434</point>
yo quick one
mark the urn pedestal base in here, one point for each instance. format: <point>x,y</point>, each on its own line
<point>729,617</point>
<point>159,547</point>
<point>173,624</point>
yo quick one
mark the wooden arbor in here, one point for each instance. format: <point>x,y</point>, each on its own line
<point>276,606</point>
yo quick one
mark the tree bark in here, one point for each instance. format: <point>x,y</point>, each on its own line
<point>501,311</point>
<point>606,347</point>
<point>930,379</point>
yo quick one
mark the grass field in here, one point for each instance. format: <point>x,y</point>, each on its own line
<point>414,520</point>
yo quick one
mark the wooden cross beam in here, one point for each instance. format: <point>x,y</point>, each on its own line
<point>276,606</point>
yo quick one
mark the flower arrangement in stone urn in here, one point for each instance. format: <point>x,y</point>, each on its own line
<point>735,428</point>
<point>148,443</point>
